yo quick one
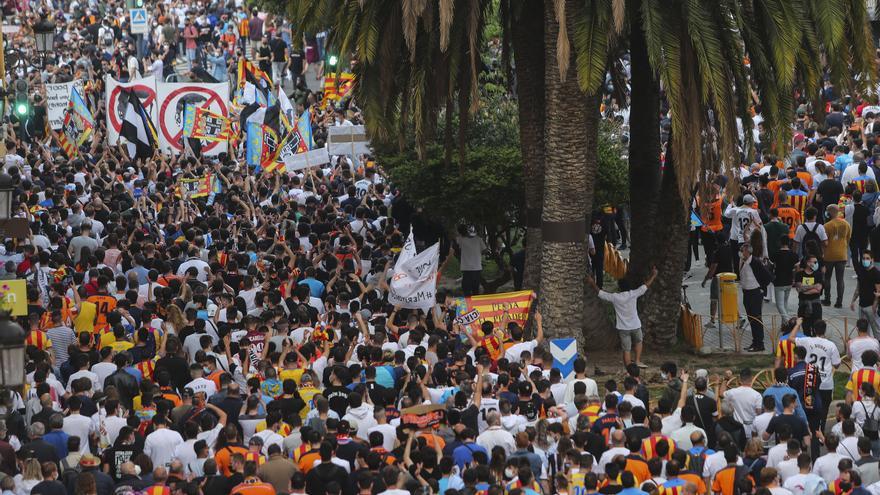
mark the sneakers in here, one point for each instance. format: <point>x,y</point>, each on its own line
<point>754,349</point>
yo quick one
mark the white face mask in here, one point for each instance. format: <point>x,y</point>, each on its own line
<point>509,473</point>
<point>663,375</point>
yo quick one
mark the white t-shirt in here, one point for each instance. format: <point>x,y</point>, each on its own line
<point>802,231</point>
<point>592,388</point>
<point>858,346</point>
<point>77,425</point>
<point>487,405</point>
<point>787,469</point>
<point>625,307</point>
<point>824,354</point>
<point>746,403</point>
<point>161,444</point>
<point>513,352</point>
<point>203,385</point>
<point>826,466</point>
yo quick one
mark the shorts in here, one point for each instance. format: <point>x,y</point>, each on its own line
<point>629,337</point>
<point>713,289</point>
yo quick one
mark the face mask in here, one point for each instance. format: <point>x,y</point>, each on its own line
<point>207,371</point>
<point>815,266</point>
<point>867,263</point>
<point>508,473</point>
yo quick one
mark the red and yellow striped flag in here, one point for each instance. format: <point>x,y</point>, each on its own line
<point>337,89</point>
<point>497,308</point>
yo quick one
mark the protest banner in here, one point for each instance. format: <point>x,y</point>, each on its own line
<point>173,99</point>
<point>57,99</point>
<point>144,88</point>
<point>414,283</point>
<point>347,140</point>
<point>195,188</point>
<point>496,308</point>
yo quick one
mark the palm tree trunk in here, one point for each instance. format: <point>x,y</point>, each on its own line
<point>571,133</point>
<point>644,157</point>
<point>528,54</point>
<point>661,307</point>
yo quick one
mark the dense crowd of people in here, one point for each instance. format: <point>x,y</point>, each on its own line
<point>242,343</point>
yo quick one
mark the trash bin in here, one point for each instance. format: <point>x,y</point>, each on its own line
<point>728,295</point>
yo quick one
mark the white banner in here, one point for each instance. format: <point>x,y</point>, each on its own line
<point>57,98</point>
<point>173,98</point>
<point>144,88</point>
<point>414,283</point>
<point>301,161</point>
<point>347,140</point>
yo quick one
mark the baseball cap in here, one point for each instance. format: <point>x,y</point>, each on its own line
<point>749,199</point>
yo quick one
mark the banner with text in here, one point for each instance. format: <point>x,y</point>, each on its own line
<point>495,308</point>
<point>57,98</point>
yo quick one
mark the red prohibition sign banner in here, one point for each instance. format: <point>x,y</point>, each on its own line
<point>140,89</point>
<point>173,135</point>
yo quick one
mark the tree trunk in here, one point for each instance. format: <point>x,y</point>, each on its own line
<point>661,307</point>
<point>644,157</point>
<point>527,30</point>
<point>571,132</point>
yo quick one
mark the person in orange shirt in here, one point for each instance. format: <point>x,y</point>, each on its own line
<point>727,477</point>
<point>635,463</point>
<point>788,215</point>
<point>104,303</point>
<point>306,460</point>
<point>801,170</point>
<point>252,485</point>
<point>225,454</point>
<point>775,184</point>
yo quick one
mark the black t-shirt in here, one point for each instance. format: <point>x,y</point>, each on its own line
<point>830,191</point>
<point>797,425</point>
<point>114,458</point>
<point>868,278</point>
<point>296,62</point>
<point>337,396</point>
<point>723,256</point>
<point>277,45</point>
<point>177,368</point>
<point>860,227</point>
<point>49,487</point>
<point>785,261</point>
<point>265,65</point>
<point>808,279</point>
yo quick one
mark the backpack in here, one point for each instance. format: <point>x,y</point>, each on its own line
<point>739,478</point>
<point>697,461</point>
<point>872,422</point>
<point>812,235</point>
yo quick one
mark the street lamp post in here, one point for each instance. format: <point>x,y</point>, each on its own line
<point>44,38</point>
<point>7,190</point>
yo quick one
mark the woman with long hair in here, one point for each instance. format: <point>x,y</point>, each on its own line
<point>30,475</point>
<point>497,464</point>
<point>175,321</point>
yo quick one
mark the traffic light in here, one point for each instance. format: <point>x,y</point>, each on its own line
<point>134,4</point>
<point>333,60</point>
<point>22,105</point>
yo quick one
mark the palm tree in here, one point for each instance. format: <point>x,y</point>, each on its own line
<point>527,29</point>
<point>697,50</point>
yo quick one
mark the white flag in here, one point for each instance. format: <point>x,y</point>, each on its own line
<point>414,283</point>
